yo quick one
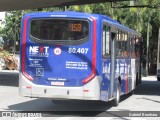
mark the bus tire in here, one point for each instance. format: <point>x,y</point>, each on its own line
<point>118,91</point>
<point>158,78</point>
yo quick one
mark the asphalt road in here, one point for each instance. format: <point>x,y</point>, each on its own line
<point>145,98</point>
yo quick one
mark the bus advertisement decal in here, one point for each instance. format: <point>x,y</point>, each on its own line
<point>39,71</point>
<point>76,65</point>
<point>35,62</point>
<point>39,51</point>
<point>57,83</point>
<point>57,51</point>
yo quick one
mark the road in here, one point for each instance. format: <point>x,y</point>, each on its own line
<point>145,98</point>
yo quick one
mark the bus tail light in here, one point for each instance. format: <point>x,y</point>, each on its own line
<point>28,87</point>
<point>85,90</point>
<point>88,79</point>
<point>27,76</point>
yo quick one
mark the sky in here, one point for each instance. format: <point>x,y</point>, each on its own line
<point>2,17</point>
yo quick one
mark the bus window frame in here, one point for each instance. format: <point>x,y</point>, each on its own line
<point>118,44</point>
<point>137,46</point>
<point>103,54</point>
<point>129,46</point>
<point>125,44</point>
<point>122,37</point>
<point>60,42</point>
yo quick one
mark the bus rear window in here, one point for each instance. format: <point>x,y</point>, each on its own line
<point>59,30</point>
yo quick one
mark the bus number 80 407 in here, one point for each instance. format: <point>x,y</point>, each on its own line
<point>79,50</point>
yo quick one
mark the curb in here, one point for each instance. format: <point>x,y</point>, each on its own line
<point>9,71</point>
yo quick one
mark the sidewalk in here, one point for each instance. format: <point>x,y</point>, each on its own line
<point>152,78</point>
<point>9,71</point>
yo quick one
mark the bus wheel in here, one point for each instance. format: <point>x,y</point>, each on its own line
<point>118,91</point>
<point>158,78</point>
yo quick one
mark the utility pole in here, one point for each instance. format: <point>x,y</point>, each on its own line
<point>147,53</point>
<point>158,51</point>
<point>14,44</point>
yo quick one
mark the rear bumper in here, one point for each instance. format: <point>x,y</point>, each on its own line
<point>90,91</point>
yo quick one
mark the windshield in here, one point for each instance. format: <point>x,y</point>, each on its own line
<point>59,29</point>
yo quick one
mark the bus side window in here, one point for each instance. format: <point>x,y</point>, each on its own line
<point>119,48</point>
<point>106,41</point>
<point>125,47</point>
<point>133,47</point>
<point>129,46</point>
<point>137,47</point>
<point>122,44</point>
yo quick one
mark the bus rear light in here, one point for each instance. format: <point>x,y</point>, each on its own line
<point>28,87</point>
<point>27,76</point>
<point>85,90</point>
<point>88,79</point>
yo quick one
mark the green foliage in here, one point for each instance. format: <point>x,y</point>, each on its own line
<point>12,26</point>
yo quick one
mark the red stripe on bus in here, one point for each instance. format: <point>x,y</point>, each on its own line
<point>94,47</point>
<point>127,80</point>
<point>94,53</point>
<point>24,44</point>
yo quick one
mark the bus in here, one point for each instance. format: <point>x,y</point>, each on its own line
<point>78,56</point>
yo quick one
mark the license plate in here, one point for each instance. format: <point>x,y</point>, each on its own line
<point>57,83</point>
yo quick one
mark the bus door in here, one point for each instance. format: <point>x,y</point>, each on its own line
<point>108,63</point>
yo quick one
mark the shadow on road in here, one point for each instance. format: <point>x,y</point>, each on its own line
<point>9,78</point>
<point>148,88</point>
<point>63,107</point>
<point>50,108</point>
